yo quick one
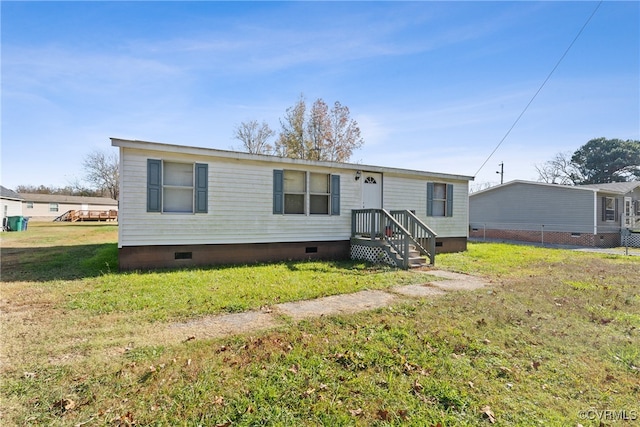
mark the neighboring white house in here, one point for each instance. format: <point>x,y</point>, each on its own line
<point>584,215</point>
<point>10,204</point>
<point>184,205</point>
<point>47,207</point>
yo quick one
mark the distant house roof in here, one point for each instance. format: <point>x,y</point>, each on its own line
<point>614,187</point>
<point>534,183</point>
<point>5,193</point>
<point>59,198</point>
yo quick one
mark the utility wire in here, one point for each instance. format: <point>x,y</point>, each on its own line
<point>540,88</point>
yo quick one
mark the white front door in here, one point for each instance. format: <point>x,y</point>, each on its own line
<point>371,190</point>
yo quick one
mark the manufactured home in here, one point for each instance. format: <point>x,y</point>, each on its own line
<point>187,206</point>
<point>56,207</point>
<point>598,215</point>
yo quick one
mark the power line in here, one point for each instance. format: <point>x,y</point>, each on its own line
<point>540,88</point>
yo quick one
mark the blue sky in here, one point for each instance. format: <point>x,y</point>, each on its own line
<point>433,85</point>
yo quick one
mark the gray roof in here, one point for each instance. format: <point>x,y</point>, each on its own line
<point>5,193</point>
<point>60,198</point>
<point>614,187</point>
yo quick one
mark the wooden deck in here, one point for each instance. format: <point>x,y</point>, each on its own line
<point>88,215</point>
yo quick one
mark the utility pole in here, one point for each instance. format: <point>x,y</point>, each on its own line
<point>501,172</point>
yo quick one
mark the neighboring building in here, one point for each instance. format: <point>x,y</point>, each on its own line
<point>10,204</point>
<point>48,207</point>
<point>585,215</point>
<point>197,206</point>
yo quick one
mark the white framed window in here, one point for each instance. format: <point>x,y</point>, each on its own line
<point>319,193</point>
<point>295,188</point>
<point>439,199</point>
<point>177,187</point>
<point>53,207</point>
<point>298,192</point>
<point>609,209</point>
<point>29,205</point>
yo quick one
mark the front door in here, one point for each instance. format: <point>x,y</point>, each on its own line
<point>371,190</point>
<point>628,211</point>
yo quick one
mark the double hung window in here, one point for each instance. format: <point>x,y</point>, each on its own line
<point>609,208</point>
<point>305,193</point>
<point>439,199</point>
<point>174,187</point>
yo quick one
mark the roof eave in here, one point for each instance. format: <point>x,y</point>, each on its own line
<point>236,155</point>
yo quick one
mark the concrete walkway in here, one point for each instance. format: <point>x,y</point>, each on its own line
<point>436,283</point>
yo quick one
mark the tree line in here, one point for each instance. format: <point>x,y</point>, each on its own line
<point>599,161</point>
<point>101,179</point>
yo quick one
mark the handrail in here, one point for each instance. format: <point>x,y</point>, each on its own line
<point>382,225</point>
<point>631,222</point>
<point>420,233</point>
<point>378,224</point>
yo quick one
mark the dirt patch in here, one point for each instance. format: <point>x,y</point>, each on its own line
<point>457,281</point>
<point>221,325</point>
<point>336,304</point>
<point>253,321</point>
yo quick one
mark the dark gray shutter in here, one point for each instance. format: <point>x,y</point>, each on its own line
<point>202,187</point>
<point>429,198</point>
<point>604,209</point>
<point>278,191</point>
<point>154,185</point>
<point>449,199</point>
<point>335,194</point>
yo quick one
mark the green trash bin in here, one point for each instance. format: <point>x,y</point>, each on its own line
<point>16,223</point>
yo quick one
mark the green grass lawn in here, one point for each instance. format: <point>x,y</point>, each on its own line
<point>554,341</point>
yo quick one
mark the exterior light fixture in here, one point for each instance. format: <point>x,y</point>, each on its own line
<point>358,175</point>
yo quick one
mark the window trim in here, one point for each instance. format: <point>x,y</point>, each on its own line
<point>54,207</point>
<point>156,187</point>
<point>279,193</point>
<point>29,205</point>
<point>448,200</point>
<point>609,215</point>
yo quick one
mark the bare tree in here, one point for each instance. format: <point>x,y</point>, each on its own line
<point>559,170</point>
<point>323,134</point>
<point>254,137</point>
<point>291,141</point>
<point>318,128</point>
<point>343,136</point>
<point>101,172</point>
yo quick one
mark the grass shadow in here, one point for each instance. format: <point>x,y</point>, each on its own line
<point>42,264</point>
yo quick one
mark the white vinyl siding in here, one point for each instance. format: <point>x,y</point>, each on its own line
<point>240,203</point>
<point>402,192</point>
<point>240,208</point>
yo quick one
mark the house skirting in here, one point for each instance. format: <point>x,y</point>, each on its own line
<point>601,240</point>
<point>177,256</point>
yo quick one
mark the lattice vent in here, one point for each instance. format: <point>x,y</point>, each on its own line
<point>633,240</point>
<point>373,254</point>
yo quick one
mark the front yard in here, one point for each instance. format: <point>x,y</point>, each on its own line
<point>555,340</point>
